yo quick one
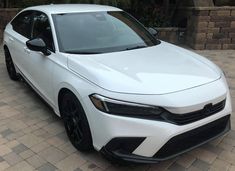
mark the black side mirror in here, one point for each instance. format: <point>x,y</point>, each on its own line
<point>153,31</point>
<point>38,45</point>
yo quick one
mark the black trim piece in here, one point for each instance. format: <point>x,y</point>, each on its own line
<point>198,137</point>
<point>126,159</point>
<point>182,119</point>
<point>124,144</point>
<point>194,138</point>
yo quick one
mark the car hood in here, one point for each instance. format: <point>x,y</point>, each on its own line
<point>161,69</point>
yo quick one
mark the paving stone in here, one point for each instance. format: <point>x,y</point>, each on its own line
<point>56,141</point>
<point>29,140</point>
<point>228,156</point>
<point>204,155</point>
<point>201,165</point>
<point>176,167</point>
<point>52,154</point>
<point>36,161</point>
<point>88,166</point>
<point>78,169</point>
<point>4,150</point>
<point>96,158</point>
<point>186,160</point>
<point>41,124</point>
<point>22,166</point>
<point>19,148</point>
<point>39,147</point>
<point>70,163</point>
<point>12,144</point>
<point>225,146</point>
<point>3,141</point>
<point>2,104</point>
<point>232,168</point>
<point>6,132</point>
<point>220,165</point>
<point>47,167</point>
<point>14,135</point>
<point>1,159</point>
<point>54,128</point>
<point>231,134</point>
<point>4,165</point>
<point>214,149</point>
<point>192,168</point>
<point>68,148</point>
<point>46,135</point>
<point>63,136</point>
<point>26,154</point>
<point>17,125</point>
<point>39,132</point>
<point>229,141</point>
<point>12,158</point>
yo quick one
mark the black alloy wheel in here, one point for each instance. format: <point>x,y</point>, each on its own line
<point>76,123</point>
<point>10,66</point>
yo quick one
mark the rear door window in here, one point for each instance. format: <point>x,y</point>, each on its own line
<point>22,23</point>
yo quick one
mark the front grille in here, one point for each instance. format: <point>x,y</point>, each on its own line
<point>182,119</point>
<point>194,138</point>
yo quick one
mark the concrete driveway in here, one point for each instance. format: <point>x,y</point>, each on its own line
<point>33,138</point>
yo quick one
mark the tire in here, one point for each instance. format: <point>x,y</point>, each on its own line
<point>75,122</point>
<point>10,66</point>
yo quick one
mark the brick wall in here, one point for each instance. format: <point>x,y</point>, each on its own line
<point>171,34</point>
<point>5,16</point>
<point>211,28</point>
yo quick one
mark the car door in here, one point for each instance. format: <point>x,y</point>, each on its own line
<point>41,66</point>
<point>19,34</point>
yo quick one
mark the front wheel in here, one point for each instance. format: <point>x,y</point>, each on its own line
<point>76,123</point>
<point>10,66</point>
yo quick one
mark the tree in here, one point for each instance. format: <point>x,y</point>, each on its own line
<point>5,3</point>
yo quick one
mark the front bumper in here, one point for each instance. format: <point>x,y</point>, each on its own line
<point>158,136</point>
<point>118,149</point>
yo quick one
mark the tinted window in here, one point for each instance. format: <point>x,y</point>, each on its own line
<point>100,32</point>
<point>22,23</point>
<point>42,29</point>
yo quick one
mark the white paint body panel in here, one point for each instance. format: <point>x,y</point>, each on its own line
<point>165,76</point>
<point>144,71</point>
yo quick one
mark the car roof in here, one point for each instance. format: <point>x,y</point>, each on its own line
<point>72,8</point>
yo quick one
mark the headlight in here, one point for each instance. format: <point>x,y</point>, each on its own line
<point>117,107</point>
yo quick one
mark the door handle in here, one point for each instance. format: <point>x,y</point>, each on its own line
<point>27,50</point>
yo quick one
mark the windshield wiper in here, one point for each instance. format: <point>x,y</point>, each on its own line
<point>136,47</point>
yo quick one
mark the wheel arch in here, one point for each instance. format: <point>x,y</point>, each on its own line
<point>63,88</point>
<point>5,47</point>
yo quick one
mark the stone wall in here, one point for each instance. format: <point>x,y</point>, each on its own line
<point>5,16</point>
<point>171,34</point>
<point>210,27</point>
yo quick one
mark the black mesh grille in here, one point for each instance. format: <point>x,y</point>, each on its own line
<point>193,138</point>
<point>182,119</point>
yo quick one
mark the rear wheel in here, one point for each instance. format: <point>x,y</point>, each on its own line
<point>76,123</point>
<point>10,65</point>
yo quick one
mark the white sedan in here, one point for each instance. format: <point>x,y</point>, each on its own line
<point>117,88</point>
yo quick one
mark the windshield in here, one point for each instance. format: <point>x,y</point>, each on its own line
<point>100,32</point>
